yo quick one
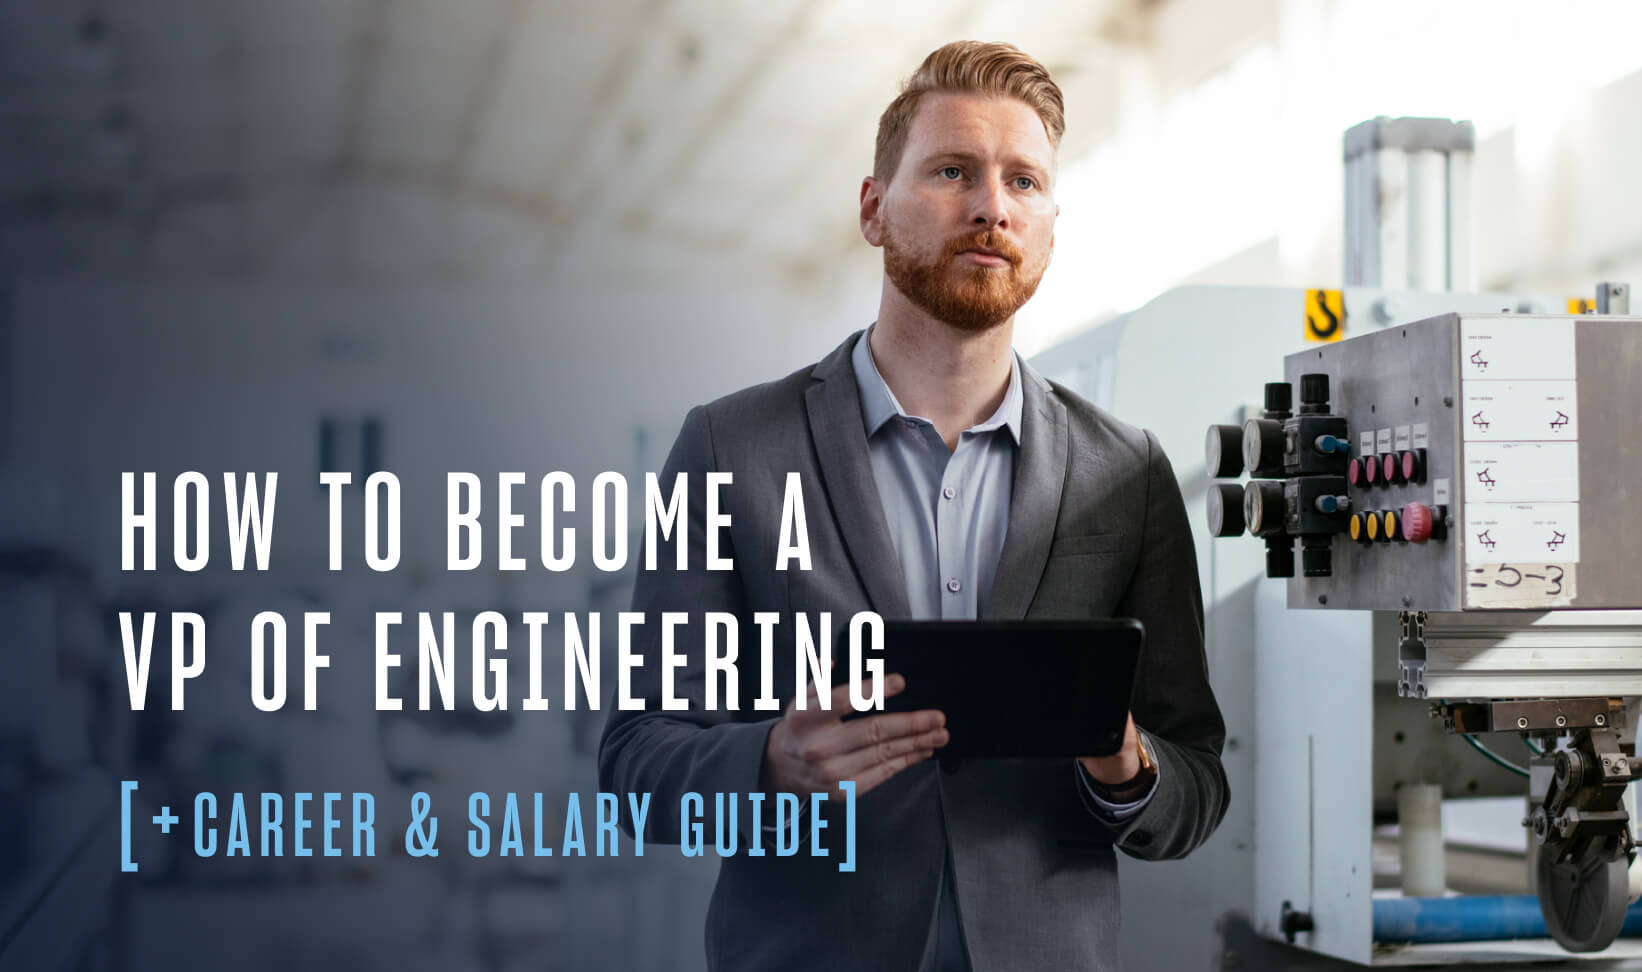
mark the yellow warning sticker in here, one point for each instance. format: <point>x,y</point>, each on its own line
<point>1581,305</point>
<point>1325,315</point>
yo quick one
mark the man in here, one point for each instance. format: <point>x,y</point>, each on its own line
<point>942,478</point>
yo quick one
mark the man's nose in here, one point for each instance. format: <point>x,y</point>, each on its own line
<point>991,208</point>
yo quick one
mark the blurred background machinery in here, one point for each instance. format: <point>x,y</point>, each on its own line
<point>528,234</point>
<point>1442,476</point>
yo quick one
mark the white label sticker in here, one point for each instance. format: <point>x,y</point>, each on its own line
<point>1519,418</point>
<point>1403,440</point>
<point>1499,533</point>
<point>1517,472</point>
<point>1440,492</point>
<point>1422,435</point>
<point>1382,440</point>
<point>1365,443</point>
<point>1517,347</point>
<point>1520,585</point>
<point>1506,411</point>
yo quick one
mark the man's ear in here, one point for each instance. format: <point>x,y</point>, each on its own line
<point>872,211</point>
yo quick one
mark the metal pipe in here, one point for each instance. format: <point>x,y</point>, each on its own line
<point>1470,918</point>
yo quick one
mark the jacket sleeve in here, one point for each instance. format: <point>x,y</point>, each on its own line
<point>671,753</point>
<point>1173,704</point>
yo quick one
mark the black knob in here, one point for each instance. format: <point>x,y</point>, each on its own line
<point>1263,447</point>
<point>1263,507</point>
<point>1225,502</point>
<point>1223,451</point>
<point>1292,922</point>
<point>1279,399</point>
<point>1313,394</point>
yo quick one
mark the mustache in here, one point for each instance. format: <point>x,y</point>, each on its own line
<point>983,239</point>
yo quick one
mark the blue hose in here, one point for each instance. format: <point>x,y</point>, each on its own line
<point>1471,918</point>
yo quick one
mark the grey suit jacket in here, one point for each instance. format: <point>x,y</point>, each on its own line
<point>1096,529</point>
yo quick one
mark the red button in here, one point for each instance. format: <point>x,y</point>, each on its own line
<point>1354,472</point>
<point>1417,521</point>
<point>1389,468</point>
<point>1414,466</point>
<point>1371,470</point>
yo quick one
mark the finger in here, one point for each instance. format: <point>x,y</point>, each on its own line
<point>838,700</point>
<point>853,764</point>
<point>881,772</point>
<point>893,685</point>
<point>818,743</point>
<point>873,730</point>
<point>812,713</point>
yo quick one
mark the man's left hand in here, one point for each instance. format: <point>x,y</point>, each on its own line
<point>1120,767</point>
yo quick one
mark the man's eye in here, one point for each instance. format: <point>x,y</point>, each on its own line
<point>1024,183</point>
<point>951,172</point>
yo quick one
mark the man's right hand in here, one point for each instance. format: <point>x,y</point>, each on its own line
<point>811,749</point>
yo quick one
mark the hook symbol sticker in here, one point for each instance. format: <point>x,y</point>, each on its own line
<point>1325,315</point>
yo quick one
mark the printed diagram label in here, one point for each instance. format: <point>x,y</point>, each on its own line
<point>1521,411</point>
<point>1517,472</point>
<point>1499,533</point>
<point>1537,348</point>
<point>1519,418</point>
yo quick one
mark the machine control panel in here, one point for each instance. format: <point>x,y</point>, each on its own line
<point>1446,465</point>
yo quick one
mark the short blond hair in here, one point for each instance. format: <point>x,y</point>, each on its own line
<point>968,67</point>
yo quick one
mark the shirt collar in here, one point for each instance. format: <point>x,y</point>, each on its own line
<point>878,403</point>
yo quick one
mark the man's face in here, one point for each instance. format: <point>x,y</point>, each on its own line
<point>967,221</point>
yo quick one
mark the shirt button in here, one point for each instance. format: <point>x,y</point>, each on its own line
<point>953,585</point>
<point>949,492</point>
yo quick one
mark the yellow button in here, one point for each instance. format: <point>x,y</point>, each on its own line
<point>1391,525</point>
<point>1373,526</point>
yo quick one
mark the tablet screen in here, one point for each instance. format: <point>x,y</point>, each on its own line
<point>1015,688</point>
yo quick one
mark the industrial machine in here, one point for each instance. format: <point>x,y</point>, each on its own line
<point>1443,481</point>
<point>1471,472</point>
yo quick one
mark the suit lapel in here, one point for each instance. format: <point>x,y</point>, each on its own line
<point>833,403</point>
<point>1034,501</point>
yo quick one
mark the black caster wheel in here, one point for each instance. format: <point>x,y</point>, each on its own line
<point>1583,899</point>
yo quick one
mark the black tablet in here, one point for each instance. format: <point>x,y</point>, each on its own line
<point>1015,688</point>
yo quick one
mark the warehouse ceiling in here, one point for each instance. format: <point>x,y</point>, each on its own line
<point>476,139</point>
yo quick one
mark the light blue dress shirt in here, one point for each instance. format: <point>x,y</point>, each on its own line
<point>948,512</point>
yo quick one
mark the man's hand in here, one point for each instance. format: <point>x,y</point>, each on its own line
<point>811,749</point>
<point>1120,767</point>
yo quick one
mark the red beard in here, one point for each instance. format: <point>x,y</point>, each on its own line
<point>967,296</point>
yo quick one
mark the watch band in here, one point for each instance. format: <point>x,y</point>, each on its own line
<point>1134,788</point>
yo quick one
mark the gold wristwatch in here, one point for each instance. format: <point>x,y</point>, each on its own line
<point>1133,789</point>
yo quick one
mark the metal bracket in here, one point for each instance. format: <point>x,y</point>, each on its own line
<point>1613,298</point>
<point>1520,655</point>
<point>1584,798</point>
<point>1533,715</point>
<point>1411,654</point>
